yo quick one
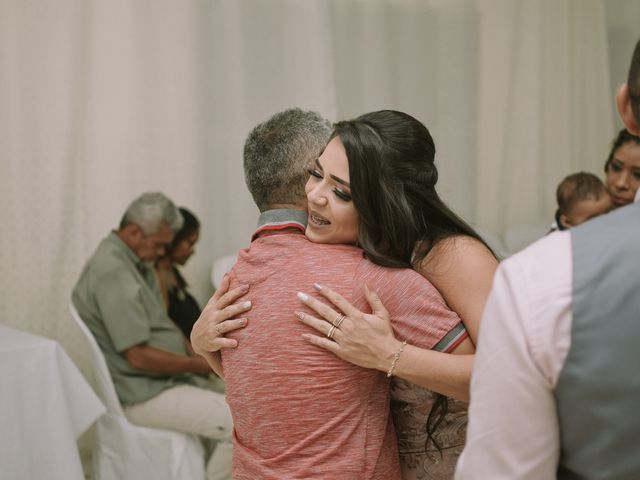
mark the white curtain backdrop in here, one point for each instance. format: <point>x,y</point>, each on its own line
<point>101,100</point>
<point>544,105</point>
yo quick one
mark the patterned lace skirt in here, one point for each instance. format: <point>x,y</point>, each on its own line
<point>410,407</point>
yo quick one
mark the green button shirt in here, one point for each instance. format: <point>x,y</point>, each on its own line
<point>118,297</point>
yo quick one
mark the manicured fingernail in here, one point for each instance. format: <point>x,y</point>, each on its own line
<point>303,296</point>
<point>243,321</point>
<point>246,304</point>
<point>317,286</point>
<point>244,288</point>
<point>300,315</point>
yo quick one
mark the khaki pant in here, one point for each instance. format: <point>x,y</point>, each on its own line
<point>194,410</point>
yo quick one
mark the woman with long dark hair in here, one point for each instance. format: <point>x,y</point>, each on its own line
<point>402,222</point>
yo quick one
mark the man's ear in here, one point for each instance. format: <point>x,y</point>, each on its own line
<point>132,231</point>
<point>623,102</point>
<point>564,221</point>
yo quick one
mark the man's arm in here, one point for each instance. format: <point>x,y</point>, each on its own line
<point>152,359</point>
<point>513,429</point>
<point>119,298</point>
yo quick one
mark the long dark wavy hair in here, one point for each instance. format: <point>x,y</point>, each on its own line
<point>401,217</point>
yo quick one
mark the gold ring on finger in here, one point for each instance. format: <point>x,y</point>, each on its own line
<point>339,319</point>
<point>331,331</point>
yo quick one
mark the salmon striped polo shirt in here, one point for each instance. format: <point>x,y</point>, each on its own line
<point>300,412</point>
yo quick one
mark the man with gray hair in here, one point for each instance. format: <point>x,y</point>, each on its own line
<point>278,154</point>
<point>151,364</point>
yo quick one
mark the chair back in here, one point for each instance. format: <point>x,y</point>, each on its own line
<point>104,384</point>
<point>124,451</point>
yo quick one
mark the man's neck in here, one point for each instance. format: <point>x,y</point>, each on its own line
<point>280,220</point>
<point>285,206</point>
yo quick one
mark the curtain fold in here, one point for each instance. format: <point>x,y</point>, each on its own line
<point>544,105</point>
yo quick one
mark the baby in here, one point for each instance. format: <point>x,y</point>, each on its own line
<point>580,196</point>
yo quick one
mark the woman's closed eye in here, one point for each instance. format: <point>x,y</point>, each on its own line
<point>342,195</point>
<point>314,172</point>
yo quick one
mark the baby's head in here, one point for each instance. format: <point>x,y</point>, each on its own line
<point>581,196</point>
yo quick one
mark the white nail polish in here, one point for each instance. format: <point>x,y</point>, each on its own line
<point>303,296</point>
<point>246,304</point>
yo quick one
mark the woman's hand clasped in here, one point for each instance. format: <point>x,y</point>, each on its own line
<point>366,340</point>
<point>217,318</point>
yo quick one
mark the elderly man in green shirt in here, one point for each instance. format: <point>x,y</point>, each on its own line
<point>151,364</point>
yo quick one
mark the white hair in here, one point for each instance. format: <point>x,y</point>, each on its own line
<point>150,211</point>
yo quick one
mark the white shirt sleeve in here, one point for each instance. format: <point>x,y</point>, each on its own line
<point>523,342</point>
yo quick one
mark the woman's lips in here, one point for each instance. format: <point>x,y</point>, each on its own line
<point>318,220</point>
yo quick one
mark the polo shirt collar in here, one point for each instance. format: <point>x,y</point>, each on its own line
<point>280,219</point>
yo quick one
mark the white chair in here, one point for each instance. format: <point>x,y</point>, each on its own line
<point>222,265</point>
<point>124,451</point>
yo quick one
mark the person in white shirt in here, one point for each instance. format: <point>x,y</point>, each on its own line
<point>555,389</point>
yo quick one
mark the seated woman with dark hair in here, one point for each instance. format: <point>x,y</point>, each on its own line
<point>183,309</point>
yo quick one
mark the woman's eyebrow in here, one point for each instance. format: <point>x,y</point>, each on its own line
<point>339,180</point>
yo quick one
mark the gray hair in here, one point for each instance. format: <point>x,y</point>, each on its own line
<point>150,210</point>
<point>278,153</point>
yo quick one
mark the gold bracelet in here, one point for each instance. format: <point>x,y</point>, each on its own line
<point>396,357</point>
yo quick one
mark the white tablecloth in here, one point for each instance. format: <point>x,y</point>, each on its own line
<point>45,404</point>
